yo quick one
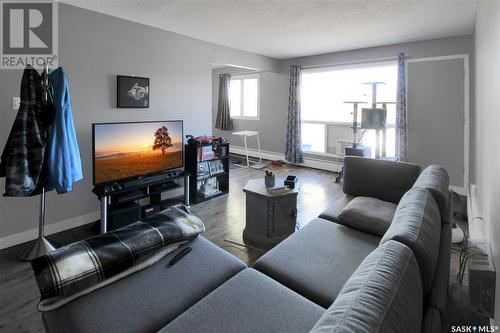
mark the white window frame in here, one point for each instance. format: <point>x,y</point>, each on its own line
<point>242,77</point>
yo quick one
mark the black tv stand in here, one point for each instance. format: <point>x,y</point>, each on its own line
<point>127,202</point>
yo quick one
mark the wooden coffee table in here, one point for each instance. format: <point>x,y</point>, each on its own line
<point>271,215</point>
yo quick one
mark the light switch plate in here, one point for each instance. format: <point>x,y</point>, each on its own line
<point>16,103</point>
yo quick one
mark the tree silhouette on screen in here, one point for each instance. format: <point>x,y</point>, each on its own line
<point>163,141</point>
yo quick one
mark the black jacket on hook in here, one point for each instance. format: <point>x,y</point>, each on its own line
<point>22,161</point>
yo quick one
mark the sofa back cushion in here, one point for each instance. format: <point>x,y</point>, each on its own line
<point>368,214</point>
<point>417,224</point>
<point>384,294</point>
<point>384,180</point>
<point>436,180</point>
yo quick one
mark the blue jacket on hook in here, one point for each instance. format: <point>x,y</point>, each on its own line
<point>64,162</point>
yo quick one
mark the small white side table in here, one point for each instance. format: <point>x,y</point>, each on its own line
<point>245,135</point>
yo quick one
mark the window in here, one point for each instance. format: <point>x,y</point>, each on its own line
<point>244,96</point>
<point>315,134</point>
<point>327,120</point>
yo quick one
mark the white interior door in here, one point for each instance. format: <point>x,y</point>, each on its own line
<point>437,118</point>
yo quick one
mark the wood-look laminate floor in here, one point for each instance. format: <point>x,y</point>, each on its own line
<point>224,218</point>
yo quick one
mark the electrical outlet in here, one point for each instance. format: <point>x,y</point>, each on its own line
<point>16,103</point>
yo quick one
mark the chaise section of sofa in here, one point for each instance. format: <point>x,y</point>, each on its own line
<point>149,299</point>
<point>318,260</point>
<point>249,302</point>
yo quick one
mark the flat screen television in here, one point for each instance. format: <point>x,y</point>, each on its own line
<point>129,150</point>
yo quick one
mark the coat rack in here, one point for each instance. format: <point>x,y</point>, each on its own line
<point>41,245</point>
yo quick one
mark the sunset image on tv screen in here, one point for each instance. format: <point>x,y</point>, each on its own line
<point>132,149</point>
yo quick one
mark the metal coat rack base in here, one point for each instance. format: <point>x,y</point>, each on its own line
<point>41,245</point>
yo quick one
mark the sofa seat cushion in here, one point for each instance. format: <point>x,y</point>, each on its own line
<point>249,302</point>
<point>335,208</point>
<point>149,299</point>
<point>437,181</point>
<point>417,224</point>
<point>383,295</point>
<point>317,260</point>
<point>368,214</point>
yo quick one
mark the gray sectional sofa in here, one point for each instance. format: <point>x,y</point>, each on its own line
<point>376,261</point>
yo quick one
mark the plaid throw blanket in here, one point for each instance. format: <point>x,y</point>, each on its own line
<point>78,266</point>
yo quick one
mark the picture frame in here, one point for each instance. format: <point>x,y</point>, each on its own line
<point>132,92</point>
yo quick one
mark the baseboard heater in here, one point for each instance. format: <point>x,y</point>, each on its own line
<point>481,267</point>
<point>482,279</point>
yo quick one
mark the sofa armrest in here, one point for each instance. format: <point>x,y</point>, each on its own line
<point>381,179</point>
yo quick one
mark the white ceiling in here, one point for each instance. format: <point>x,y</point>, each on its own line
<point>287,29</point>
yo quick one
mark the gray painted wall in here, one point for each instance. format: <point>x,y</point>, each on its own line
<point>94,48</point>
<point>427,48</point>
<point>487,122</point>
<point>435,118</point>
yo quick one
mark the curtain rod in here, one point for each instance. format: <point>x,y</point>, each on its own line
<point>352,62</point>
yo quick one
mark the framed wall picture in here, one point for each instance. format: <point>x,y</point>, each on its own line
<point>132,91</point>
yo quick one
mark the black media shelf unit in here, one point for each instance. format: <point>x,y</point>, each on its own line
<point>128,202</point>
<point>209,175</point>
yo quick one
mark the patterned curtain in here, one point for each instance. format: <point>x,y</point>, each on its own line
<point>401,137</point>
<point>293,136</point>
<point>223,120</point>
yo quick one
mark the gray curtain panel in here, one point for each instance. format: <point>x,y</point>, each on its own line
<point>223,120</point>
<point>293,136</point>
<point>401,136</point>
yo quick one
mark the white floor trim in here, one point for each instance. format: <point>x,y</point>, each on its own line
<point>308,162</point>
<point>50,229</point>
